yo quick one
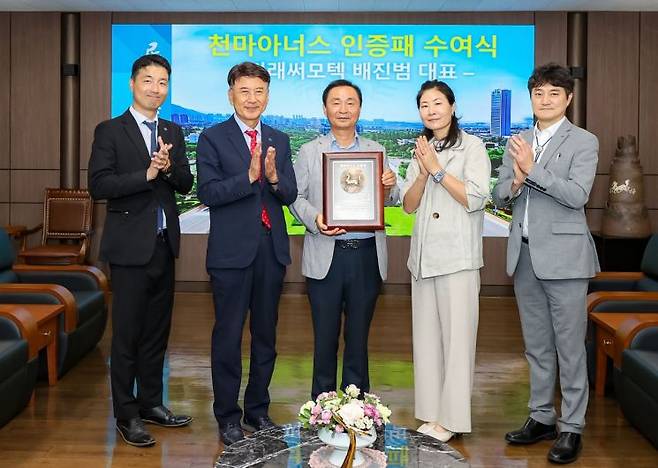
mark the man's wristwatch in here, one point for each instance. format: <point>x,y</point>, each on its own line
<point>439,176</point>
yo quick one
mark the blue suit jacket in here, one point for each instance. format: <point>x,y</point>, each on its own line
<point>235,205</point>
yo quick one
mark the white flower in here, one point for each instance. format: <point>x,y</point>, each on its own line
<point>306,406</point>
<point>331,404</point>
<point>351,412</point>
<point>346,406</point>
<point>353,391</point>
<point>384,412</point>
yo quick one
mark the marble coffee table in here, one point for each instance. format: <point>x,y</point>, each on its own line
<point>291,446</point>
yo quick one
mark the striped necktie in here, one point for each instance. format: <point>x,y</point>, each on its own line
<point>154,149</point>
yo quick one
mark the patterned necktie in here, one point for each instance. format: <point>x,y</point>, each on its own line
<point>264,217</point>
<point>154,149</point>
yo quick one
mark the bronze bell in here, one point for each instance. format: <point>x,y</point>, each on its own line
<point>625,214</point>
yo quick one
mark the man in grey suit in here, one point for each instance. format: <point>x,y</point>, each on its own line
<point>546,177</point>
<point>344,271</point>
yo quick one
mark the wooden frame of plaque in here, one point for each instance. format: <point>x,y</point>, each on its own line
<point>353,194</point>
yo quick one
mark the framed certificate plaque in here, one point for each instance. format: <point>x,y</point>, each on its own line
<point>353,194</point>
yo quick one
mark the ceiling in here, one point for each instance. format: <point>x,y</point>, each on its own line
<point>328,5</point>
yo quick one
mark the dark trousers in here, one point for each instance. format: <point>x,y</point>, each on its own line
<point>256,288</point>
<point>351,286</point>
<point>142,301</point>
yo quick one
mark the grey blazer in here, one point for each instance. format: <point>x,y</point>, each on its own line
<point>561,246</point>
<point>318,248</point>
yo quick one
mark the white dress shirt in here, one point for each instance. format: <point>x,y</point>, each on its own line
<point>540,140</point>
<point>146,135</point>
<point>244,127</point>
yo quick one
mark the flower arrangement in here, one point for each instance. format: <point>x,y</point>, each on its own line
<point>341,411</point>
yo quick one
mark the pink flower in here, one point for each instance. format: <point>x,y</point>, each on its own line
<point>326,395</point>
<point>312,420</point>
<point>317,409</point>
<point>326,416</point>
<point>339,428</point>
<point>369,410</point>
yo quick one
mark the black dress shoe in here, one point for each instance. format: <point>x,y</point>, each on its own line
<point>566,448</point>
<point>230,433</point>
<point>531,432</point>
<point>161,416</point>
<point>134,432</point>
<point>258,424</point>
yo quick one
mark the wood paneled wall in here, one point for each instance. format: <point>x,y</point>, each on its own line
<point>551,37</point>
<point>621,98</point>
<point>5,141</point>
<point>34,112</point>
<point>648,112</point>
<point>95,99</point>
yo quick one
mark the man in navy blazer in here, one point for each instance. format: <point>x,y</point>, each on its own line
<point>245,176</point>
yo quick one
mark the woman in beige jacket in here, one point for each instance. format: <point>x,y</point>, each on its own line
<point>447,186</point>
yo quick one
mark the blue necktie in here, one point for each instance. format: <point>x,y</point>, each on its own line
<point>154,149</point>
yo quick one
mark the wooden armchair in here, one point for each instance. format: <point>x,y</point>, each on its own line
<point>636,375</point>
<point>66,229</point>
<point>81,289</point>
<point>18,362</point>
<point>634,292</point>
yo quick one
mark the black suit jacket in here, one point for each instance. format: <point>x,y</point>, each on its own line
<point>235,205</point>
<point>117,173</point>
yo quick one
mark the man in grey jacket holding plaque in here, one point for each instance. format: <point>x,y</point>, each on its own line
<point>546,177</point>
<point>344,271</point>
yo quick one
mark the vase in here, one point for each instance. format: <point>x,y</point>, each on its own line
<point>625,213</point>
<point>340,441</point>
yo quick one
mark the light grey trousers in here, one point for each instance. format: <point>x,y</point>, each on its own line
<point>554,322</point>
<point>445,321</point>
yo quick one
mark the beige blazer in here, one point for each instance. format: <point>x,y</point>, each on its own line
<point>447,237</point>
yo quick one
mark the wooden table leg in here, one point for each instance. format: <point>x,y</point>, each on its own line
<point>51,352</point>
<point>601,365</point>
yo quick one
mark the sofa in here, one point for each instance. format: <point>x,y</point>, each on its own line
<point>82,289</point>
<point>633,292</point>
<point>18,370</point>
<point>636,380</point>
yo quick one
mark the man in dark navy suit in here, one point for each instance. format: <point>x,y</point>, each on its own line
<point>137,164</point>
<point>245,177</point>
